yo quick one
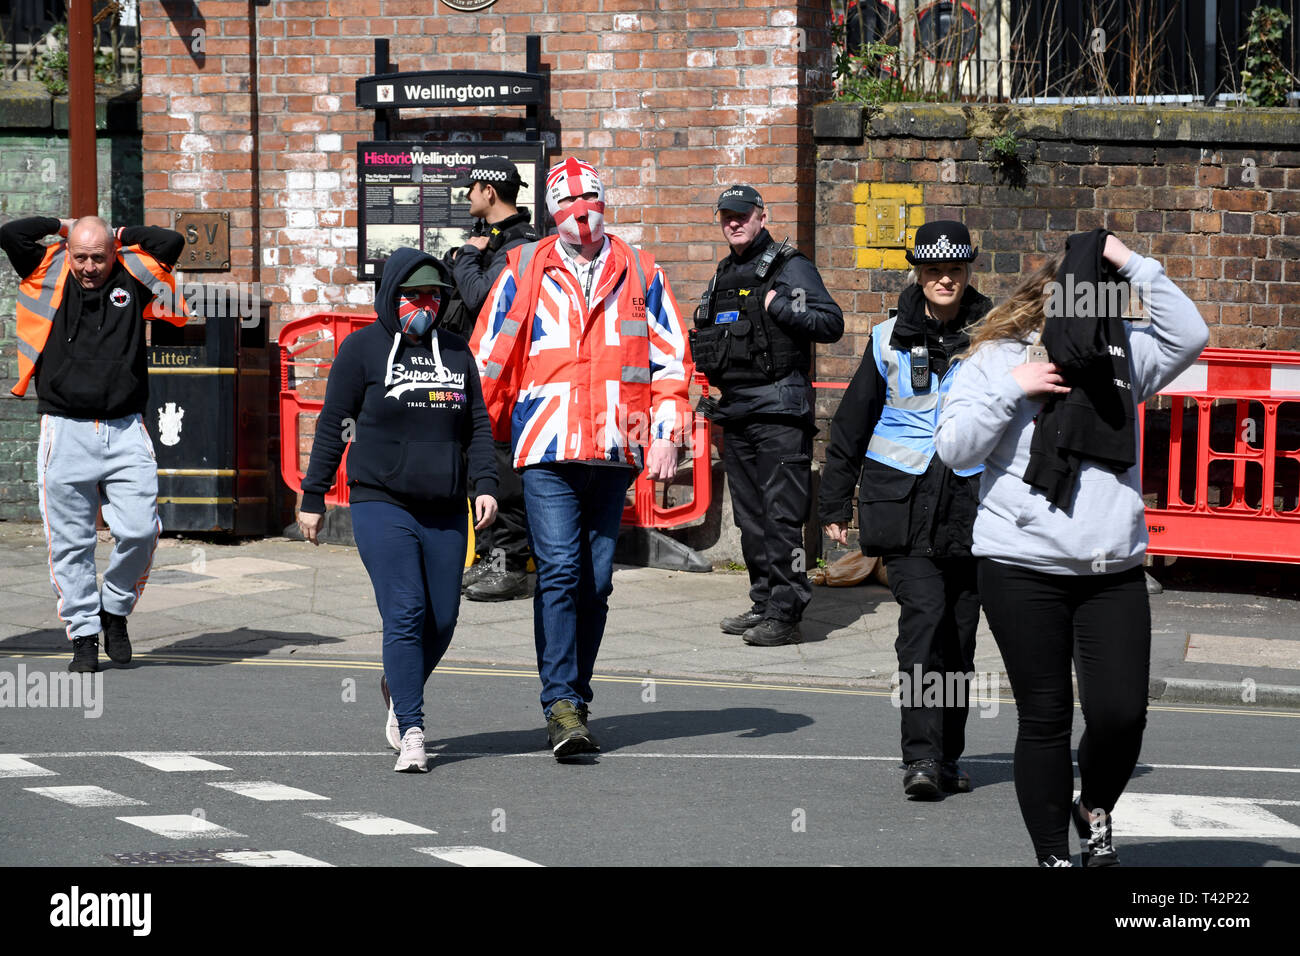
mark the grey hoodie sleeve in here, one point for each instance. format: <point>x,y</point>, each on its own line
<point>1175,337</point>
<point>979,407</point>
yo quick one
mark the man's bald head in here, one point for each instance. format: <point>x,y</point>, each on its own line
<point>91,251</point>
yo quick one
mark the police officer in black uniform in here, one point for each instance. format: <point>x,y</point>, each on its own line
<point>494,183</point>
<point>754,334</point>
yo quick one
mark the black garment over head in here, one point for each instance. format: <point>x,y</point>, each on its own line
<point>1094,422</point>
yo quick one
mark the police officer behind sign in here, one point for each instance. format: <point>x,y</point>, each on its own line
<point>755,328</point>
<point>501,571</point>
<point>913,509</point>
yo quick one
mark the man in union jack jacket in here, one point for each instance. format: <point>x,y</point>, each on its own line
<point>585,367</point>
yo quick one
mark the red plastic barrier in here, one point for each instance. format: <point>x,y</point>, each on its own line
<point>643,512</point>
<point>336,325</point>
<point>1188,524</point>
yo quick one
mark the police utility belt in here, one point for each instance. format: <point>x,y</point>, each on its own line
<point>734,341</point>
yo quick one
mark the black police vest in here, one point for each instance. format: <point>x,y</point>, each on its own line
<point>735,341</point>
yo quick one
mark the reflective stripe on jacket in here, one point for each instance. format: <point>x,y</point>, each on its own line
<point>904,436</point>
<point>564,381</point>
<point>41,293</point>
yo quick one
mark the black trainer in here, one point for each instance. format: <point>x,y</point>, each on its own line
<point>952,779</point>
<point>117,645</point>
<point>499,586</point>
<point>772,633</point>
<point>85,655</point>
<point>1095,846</point>
<point>742,622</point>
<point>921,780</point>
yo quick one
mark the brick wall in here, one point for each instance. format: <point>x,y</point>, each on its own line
<point>672,101</point>
<point>1213,194</point>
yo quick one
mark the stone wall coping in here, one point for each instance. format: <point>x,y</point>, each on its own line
<point>26,105</point>
<point>1148,124</point>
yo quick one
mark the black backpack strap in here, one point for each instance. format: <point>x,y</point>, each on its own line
<point>520,230</point>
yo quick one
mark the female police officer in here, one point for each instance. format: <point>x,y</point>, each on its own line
<point>914,510</point>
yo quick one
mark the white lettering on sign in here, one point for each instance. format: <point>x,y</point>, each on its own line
<point>418,156</point>
<point>437,91</point>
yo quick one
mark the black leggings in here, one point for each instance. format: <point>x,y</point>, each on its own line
<point>1041,622</point>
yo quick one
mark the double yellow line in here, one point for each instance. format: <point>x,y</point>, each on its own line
<point>163,657</point>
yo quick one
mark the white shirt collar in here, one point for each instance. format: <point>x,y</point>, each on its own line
<point>587,273</point>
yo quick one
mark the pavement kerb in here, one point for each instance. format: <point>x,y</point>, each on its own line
<point>1188,690</point>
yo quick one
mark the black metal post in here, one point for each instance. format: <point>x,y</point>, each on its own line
<point>533,64</point>
<point>382,116</point>
<point>1210,60</point>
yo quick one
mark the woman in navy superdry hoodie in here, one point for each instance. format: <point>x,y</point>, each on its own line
<point>405,396</point>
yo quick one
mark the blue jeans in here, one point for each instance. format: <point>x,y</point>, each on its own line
<point>574,512</point>
<point>415,564</point>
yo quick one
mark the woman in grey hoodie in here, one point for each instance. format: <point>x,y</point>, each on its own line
<point>1061,559</point>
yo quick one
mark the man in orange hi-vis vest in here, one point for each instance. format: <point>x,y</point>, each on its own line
<point>585,367</point>
<point>82,302</point>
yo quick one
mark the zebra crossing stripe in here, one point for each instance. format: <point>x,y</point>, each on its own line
<point>174,763</point>
<point>474,856</point>
<point>265,790</point>
<point>180,826</point>
<point>1182,815</point>
<point>11,765</point>
<point>269,858</point>
<point>87,796</point>
<point>370,824</point>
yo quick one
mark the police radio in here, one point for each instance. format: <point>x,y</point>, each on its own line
<point>920,367</point>
<point>769,256</point>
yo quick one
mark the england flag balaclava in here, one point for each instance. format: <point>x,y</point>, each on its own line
<point>573,177</point>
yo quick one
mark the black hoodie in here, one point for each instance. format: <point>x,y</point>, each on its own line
<point>1095,421</point>
<point>413,414</point>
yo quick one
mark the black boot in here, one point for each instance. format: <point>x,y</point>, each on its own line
<point>499,586</point>
<point>921,780</point>
<point>117,645</point>
<point>85,655</point>
<point>742,622</point>
<point>772,633</point>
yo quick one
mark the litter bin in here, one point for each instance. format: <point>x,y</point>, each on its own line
<point>209,403</point>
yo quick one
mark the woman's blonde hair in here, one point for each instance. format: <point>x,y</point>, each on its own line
<point>1022,312</point>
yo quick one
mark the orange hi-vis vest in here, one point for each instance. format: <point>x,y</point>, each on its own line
<point>41,293</point>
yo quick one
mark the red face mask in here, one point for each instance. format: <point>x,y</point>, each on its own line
<point>581,233</point>
<point>417,313</point>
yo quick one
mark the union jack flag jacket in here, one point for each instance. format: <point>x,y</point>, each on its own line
<point>565,382</point>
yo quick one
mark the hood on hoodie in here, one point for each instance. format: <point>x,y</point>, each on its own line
<point>401,264</point>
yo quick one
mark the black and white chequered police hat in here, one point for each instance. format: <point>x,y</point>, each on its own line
<point>943,241</point>
<point>492,169</point>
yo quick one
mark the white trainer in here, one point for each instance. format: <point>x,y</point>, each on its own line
<point>391,731</point>
<point>412,759</point>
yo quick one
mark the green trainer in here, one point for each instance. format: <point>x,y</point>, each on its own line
<point>568,732</point>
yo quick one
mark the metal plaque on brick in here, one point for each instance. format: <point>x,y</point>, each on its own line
<point>207,241</point>
<point>407,196</point>
<point>438,88</point>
